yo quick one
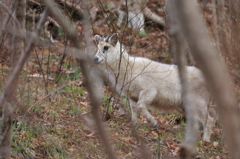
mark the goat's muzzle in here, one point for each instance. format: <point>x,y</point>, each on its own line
<point>96,60</point>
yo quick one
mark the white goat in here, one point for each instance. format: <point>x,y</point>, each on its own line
<point>148,83</point>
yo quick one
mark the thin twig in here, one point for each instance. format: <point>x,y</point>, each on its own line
<point>71,51</point>
<point>8,17</point>
<point>10,89</point>
<point>16,72</point>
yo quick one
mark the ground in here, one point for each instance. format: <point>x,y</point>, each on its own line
<point>54,120</point>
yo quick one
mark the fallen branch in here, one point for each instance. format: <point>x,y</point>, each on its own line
<point>70,4</point>
<point>37,41</point>
<point>153,16</point>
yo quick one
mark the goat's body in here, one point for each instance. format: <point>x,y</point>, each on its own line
<point>137,74</point>
<point>148,83</point>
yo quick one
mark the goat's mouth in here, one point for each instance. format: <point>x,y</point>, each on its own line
<point>96,60</point>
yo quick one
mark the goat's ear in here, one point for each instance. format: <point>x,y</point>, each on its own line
<point>113,39</point>
<point>97,39</point>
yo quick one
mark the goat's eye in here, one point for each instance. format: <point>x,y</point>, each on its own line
<point>105,48</point>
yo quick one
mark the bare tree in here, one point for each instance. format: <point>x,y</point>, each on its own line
<point>5,41</point>
<point>9,103</point>
<point>6,98</point>
<point>188,148</point>
<point>214,70</point>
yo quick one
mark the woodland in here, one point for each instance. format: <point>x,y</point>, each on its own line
<point>55,103</point>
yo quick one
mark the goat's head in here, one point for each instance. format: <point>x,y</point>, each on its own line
<point>107,49</point>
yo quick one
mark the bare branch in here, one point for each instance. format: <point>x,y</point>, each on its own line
<point>93,83</point>
<point>70,51</point>
<point>5,100</point>
<point>148,13</point>
<point>22,60</point>
<point>10,13</point>
<point>204,3</point>
<point>69,4</point>
<point>6,20</point>
<point>34,2</point>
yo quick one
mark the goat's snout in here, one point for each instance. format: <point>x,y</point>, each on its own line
<point>96,59</point>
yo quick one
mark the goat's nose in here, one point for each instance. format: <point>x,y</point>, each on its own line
<point>95,59</point>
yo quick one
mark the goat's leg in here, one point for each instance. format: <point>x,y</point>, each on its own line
<point>207,117</point>
<point>209,124</point>
<point>146,97</point>
<point>134,111</point>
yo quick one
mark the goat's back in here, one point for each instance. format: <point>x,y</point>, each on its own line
<point>147,74</point>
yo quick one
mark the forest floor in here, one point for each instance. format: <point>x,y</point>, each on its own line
<point>58,122</point>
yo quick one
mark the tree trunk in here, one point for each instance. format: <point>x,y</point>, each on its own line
<point>9,103</point>
<point>214,71</point>
<point>18,43</point>
<point>179,48</point>
<point>5,37</point>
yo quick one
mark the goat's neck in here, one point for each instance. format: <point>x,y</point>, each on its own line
<point>122,63</point>
<point>119,70</point>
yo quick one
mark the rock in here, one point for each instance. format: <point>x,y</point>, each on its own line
<point>215,144</point>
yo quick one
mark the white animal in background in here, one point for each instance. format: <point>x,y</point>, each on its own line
<point>137,11</point>
<point>148,83</point>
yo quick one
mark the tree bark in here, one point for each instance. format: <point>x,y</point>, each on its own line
<point>214,71</point>
<point>10,99</point>
<point>18,43</point>
<point>5,14</point>
<point>188,148</point>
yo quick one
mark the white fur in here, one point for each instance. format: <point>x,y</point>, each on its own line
<point>148,83</point>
